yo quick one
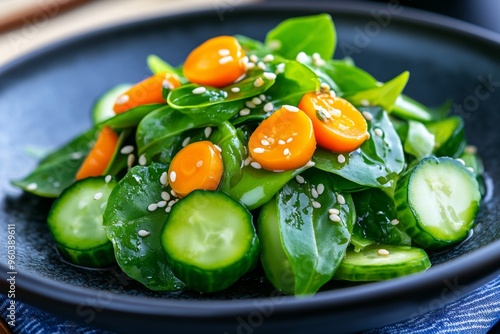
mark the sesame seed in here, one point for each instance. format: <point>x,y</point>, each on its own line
<point>314,193</point>
<point>207,131</point>
<point>130,160</point>
<point>261,65</point>
<point>258,150</point>
<point>97,196</point>
<point>334,211</point>
<point>245,60</point>
<point>286,151</point>
<point>289,140</point>
<point>172,202</point>
<point>383,252</point>
<point>267,58</point>
<point>165,196</point>
<point>143,160</point>
<point>301,57</point>
<point>249,66</point>
<point>161,204</point>
<point>254,58</point>
<point>173,193</point>
<point>378,132</point>
<point>341,199</point>
<point>324,87</point>
<point>470,169</point>
<point>394,221</point>
<point>332,93</point>
<point>186,141</point>
<point>152,207</point>
<point>167,209</point>
<point>268,107</point>
<point>224,52</point>
<point>365,102</point>
<point>122,99</point>
<point>163,178</point>
<point>310,163</point>
<point>258,82</point>
<point>320,188</point>
<point>76,155</point>
<point>199,163</point>
<point>335,112</point>
<point>300,179</point>
<point>199,90</point>
<point>291,108</point>
<point>244,112</point>
<point>167,84</point>
<point>173,176</point>
<point>265,142</point>
<point>217,147</point>
<point>281,142</point>
<point>127,149</point>
<point>250,104</point>
<point>280,68</point>
<point>471,149</point>
<point>255,165</point>
<point>461,161</point>
<point>143,233</point>
<point>235,89</point>
<point>108,178</point>
<point>278,170</point>
<point>316,205</point>
<point>256,101</point>
<point>367,115</point>
<point>334,218</point>
<point>225,60</point>
<point>340,158</point>
<point>262,97</point>
<point>241,77</point>
<point>270,76</point>
<point>247,161</point>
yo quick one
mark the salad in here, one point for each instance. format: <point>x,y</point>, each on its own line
<point>261,154</point>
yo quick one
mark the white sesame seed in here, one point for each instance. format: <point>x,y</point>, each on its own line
<point>130,160</point>
<point>280,68</point>
<point>152,207</point>
<point>325,88</point>
<point>270,76</point>
<point>225,60</point>
<point>255,165</point>
<point>122,99</point>
<point>186,141</point>
<point>254,58</point>
<point>241,77</point>
<point>249,66</point>
<point>261,65</point>
<point>262,97</point>
<point>281,142</point>
<point>199,90</point>
<point>235,89</point>
<point>173,176</point>
<point>320,188</point>
<point>165,196</point>
<point>289,140</point>
<point>286,151</point>
<point>341,199</point>
<point>332,93</point>
<point>394,221</point>
<point>250,104</point>
<point>161,204</point>
<point>291,108</point>
<point>268,107</point>
<point>315,56</point>
<point>168,209</point>
<point>461,161</point>
<point>76,155</point>
<point>314,193</point>
<point>143,160</point>
<point>267,58</point>
<point>265,142</point>
<point>163,178</point>
<point>143,233</point>
<point>258,82</point>
<point>334,211</point>
<point>334,218</point>
<point>172,202</point>
<point>300,179</point>
<point>207,131</point>
<point>310,163</point>
<point>316,205</point>
<point>383,252</point>
<point>224,52</point>
<point>340,158</point>
<point>367,115</point>
<point>378,132</point>
<point>365,102</point>
<point>108,178</point>
<point>97,196</point>
<point>471,149</point>
<point>199,163</point>
<point>167,84</point>
<point>127,149</point>
<point>217,147</point>
<point>470,169</point>
<point>173,193</point>
<point>247,161</point>
<point>301,57</point>
<point>256,101</point>
<point>244,112</point>
<point>319,62</point>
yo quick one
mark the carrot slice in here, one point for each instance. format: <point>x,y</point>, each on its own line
<point>146,92</point>
<point>338,125</point>
<point>197,166</point>
<point>100,155</point>
<point>218,62</point>
<point>283,141</point>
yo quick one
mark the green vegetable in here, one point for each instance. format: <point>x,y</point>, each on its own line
<point>450,136</point>
<point>103,108</point>
<point>419,141</point>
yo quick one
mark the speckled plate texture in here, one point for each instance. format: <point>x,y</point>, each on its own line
<point>45,99</point>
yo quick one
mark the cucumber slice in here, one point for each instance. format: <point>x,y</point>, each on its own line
<point>75,222</point>
<point>103,108</point>
<point>437,201</point>
<point>382,262</point>
<point>210,240</point>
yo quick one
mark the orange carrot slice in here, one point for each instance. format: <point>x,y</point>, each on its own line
<point>283,141</point>
<point>197,166</point>
<point>100,155</point>
<point>218,62</point>
<point>338,125</point>
<point>146,92</point>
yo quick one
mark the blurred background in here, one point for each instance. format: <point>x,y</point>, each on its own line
<point>28,24</point>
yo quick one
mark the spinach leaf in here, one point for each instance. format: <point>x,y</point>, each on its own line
<point>301,246</point>
<point>158,65</point>
<point>343,77</point>
<point>140,257</point>
<point>131,118</point>
<point>57,171</point>
<point>309,34</point>
<point>450,136</point>
<point>376,163</point>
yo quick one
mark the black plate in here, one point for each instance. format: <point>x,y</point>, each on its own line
<point>45,100</point>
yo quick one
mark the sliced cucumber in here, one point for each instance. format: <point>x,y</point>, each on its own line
<point>437,201</point>
<point>75,222</point>
<point>382,262</point>
<point>210,240</point>
<point>103,108</point>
